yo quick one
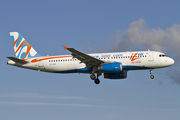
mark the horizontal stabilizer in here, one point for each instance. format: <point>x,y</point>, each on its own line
<point>17,60</point>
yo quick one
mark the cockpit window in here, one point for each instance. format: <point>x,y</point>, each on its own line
<point>162,55</point>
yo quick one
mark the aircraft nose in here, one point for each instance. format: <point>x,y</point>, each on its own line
<point>171,61</point>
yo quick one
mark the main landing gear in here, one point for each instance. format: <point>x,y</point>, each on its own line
<point>96,80</point>
<point>152,76</point>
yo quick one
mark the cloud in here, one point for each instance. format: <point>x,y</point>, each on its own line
<point>86,105</point>
<point>138,36</point>
<point>38,96</point>
<point>48,104</point>
<point>34,96</point>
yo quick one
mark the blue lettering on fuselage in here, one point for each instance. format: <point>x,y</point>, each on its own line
<point>105,55</point>
<point>117,55</point>
<point>114,55</point>
<point>96,56</point>
<point>140,54</point>
<point>108,55</point>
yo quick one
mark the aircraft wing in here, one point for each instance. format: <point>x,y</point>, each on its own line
<point>17,60</point>
<point>84,58</point>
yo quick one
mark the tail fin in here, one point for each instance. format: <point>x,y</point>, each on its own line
<point>22,48</point>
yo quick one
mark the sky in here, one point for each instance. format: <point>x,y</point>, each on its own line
<point>91,26</point>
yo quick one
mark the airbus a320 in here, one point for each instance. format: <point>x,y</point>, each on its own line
<point>113,65</point>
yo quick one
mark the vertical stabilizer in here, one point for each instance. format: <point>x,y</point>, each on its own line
<point>22,48</point>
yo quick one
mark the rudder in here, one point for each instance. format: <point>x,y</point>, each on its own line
<point>22,48</point>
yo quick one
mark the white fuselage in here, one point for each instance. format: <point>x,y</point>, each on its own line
<point>67,64</point>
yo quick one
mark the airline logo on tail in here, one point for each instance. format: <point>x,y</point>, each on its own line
<point>22,48</point>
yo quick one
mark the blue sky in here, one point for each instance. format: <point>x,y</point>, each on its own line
<point>90,26</point>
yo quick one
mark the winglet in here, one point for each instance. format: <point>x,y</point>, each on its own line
<point>65,47</point>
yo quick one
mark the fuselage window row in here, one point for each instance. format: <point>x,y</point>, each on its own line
<point>103,58</point>
<point>62,60</point>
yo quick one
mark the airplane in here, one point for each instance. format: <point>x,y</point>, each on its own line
<point>113,65</point>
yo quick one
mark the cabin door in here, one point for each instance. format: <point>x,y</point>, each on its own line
<point>150,56</point>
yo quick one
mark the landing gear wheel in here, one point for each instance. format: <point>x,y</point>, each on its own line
<point>93,77</point>
<point>152,76</point>
<point>97,81</point>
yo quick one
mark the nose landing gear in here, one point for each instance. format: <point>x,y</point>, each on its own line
<point>152,76</point>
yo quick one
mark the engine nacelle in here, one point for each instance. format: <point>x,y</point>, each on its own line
<point>119,75</point>
<point>111,67</point>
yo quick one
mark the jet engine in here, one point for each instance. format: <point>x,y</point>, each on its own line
<point>111,67</point>
<point>119,75</point>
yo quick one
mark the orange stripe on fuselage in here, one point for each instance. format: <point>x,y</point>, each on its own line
<point>48,58</point>
<point>16,41</point>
